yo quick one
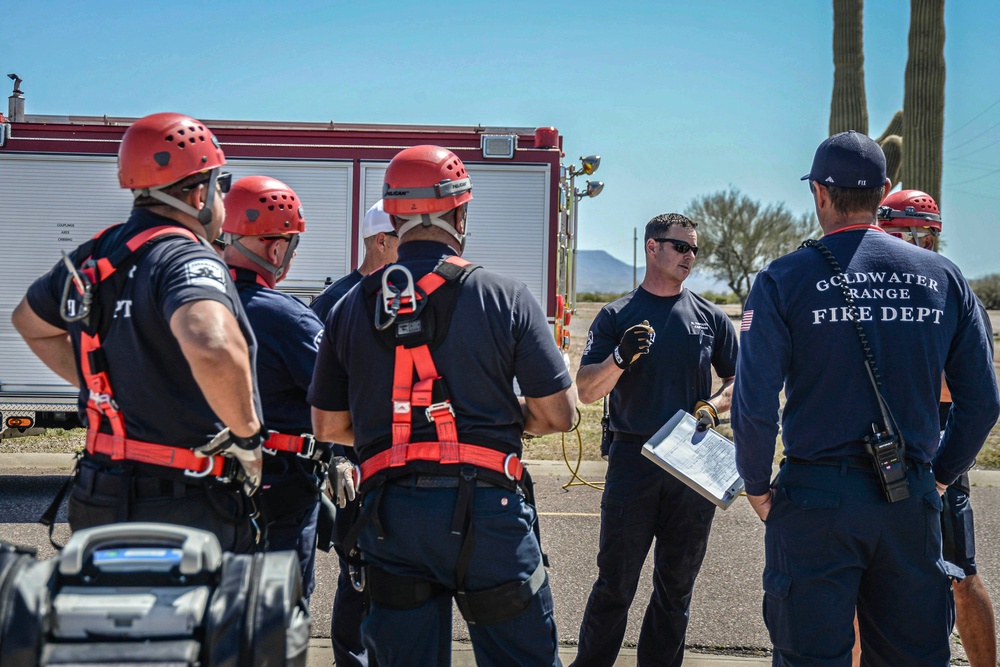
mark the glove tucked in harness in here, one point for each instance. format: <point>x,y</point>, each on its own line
<point>412,323</point>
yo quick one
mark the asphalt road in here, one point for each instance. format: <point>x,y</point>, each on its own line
<point>725,614</point>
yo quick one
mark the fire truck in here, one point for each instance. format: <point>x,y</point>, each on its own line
<point>59,186</point>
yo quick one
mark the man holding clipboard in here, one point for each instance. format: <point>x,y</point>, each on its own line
<point>653,351</point>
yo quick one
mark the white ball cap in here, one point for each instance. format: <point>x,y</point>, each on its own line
<point>376,220</point>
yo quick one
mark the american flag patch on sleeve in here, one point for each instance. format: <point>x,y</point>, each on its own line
<point>747,320</point>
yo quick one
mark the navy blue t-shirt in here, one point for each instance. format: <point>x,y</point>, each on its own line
<point>920,317</point>
<point>691,337</point>
<point>288,336</point>
<point>498,332</point>
<point>151,379</point>
<point>328,298</point>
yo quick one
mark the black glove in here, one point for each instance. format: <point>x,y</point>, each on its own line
<point>706,414</point>
<point>635,342</point>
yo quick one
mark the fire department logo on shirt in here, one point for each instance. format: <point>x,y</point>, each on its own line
<point>207,273</point>
<point>590,342</point>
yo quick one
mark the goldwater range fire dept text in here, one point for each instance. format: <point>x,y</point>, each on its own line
<point>879,286</point>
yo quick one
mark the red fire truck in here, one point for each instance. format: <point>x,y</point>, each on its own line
<point>59,186</point>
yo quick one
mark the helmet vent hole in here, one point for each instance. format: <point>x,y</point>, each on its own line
<point>180,132</point>
<point>263,200</point>
<point>271,207</point>
<point>180,144</point>
<point>170,137</point>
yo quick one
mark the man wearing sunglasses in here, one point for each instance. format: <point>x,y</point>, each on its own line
<point>852,520</point>
<point>153,332</point>
<point>653,351</point>
<point>913,216</point>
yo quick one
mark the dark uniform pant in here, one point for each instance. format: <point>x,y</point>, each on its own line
<point>957,527</point>
<point>642,502</point>
<point>106,494</point>
<point>289,502</point>
<point>349,605</point>
<point>833,543</point>
<point>418,542</point>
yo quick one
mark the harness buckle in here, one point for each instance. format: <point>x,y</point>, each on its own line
<point>308,446</point>
<point>268,450</point>
<point>506,466</point>
<point>437,407</point>
<point>100,400</point>
<point>210,465</point>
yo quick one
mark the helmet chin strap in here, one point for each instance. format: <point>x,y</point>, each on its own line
<point>427,220</point>
<point>276,271</point>
<point>204,216</point>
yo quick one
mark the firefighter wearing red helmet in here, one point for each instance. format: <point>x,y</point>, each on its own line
<point>911,215</point>
<point>159,345</point>
<point>264,221</point>
<point>914,216</point>
<point>416,371</point>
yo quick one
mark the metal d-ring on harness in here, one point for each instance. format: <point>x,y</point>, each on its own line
<point>84,286</point>
<point>392,297</point>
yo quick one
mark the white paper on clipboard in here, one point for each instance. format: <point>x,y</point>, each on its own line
<point>704,460</point>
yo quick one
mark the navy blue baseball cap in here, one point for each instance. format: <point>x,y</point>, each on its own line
<point>848,160</point>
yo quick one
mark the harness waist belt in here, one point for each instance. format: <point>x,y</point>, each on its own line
<point>150,453</point>
<point>303,445</point>
<point>508,465</point>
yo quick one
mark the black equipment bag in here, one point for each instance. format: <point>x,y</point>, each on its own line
<point>148,593</point>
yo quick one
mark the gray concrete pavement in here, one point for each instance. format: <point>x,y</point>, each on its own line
<point>725,614</point>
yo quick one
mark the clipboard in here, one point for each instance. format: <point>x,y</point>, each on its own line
<point>704,460</point>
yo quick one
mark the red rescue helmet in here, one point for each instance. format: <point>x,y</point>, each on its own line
<point>260,205</point>
<point>164,148</point>
<point>909,208</point>
<point>425,179</point>
<point>264,206</point>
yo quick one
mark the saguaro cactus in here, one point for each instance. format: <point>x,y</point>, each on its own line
<point>923,98</point>
<point>922,126</point>
<point>848,107</point>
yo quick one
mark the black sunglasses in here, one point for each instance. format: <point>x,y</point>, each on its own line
<point>223,181</point>
<point>680,246</point>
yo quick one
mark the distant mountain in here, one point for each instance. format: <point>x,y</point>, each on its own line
<point>598,271</point>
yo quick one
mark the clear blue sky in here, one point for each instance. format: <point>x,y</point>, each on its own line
<point>679,98</point>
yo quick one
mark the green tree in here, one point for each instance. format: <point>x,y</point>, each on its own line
<point>987,289</point>
<point>739,235</point>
